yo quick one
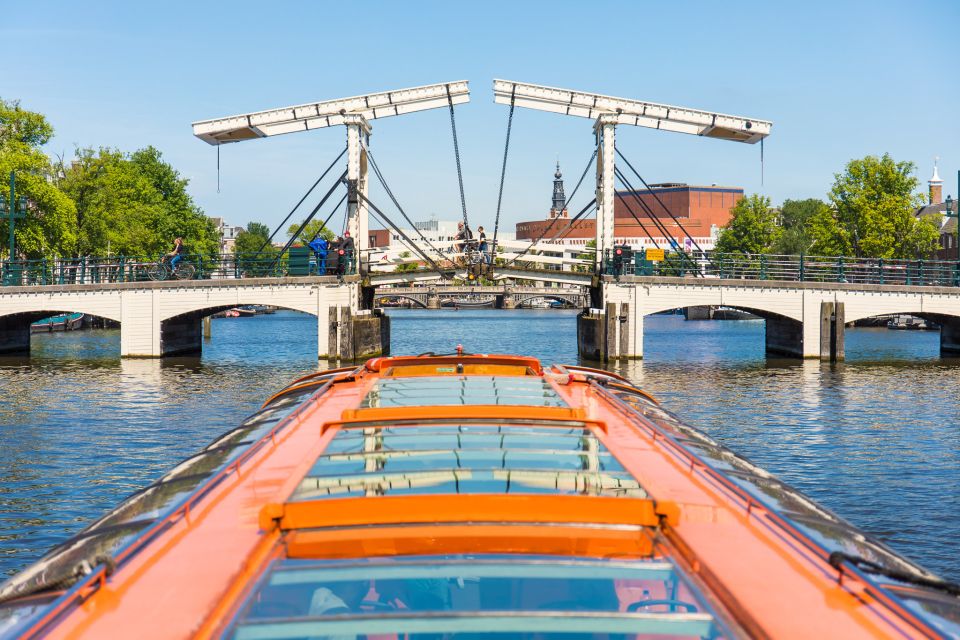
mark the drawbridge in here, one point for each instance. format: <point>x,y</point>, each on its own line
<point>414,258</point>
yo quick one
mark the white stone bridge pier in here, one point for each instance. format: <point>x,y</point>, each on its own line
<point>803,319</point>
<point>159,319</point>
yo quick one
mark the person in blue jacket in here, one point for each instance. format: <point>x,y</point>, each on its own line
<point>320,247</point>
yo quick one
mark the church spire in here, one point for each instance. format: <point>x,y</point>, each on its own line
<point>558,209</point>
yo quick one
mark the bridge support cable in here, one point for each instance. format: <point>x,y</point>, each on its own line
<point>657,198</point>
<point>322,202</point>
<point>410,243</point>
<point>456,153</point>
<point>656,220</point>
<point>643,227</point>
<point>503,175</point>
<point>297,206</point>
<point>323,225</point>
<point>565,202</point>
<point>573,220</point>
<point>589,205</point>
<point>396,203</point>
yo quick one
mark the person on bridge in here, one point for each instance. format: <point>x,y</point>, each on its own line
<point>483,248</point>
<point>463,237</point>
<point>320,246</point>
<point>176,255</point>
<point>347,247</point>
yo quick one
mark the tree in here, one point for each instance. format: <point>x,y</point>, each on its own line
<point>47,228</point>
<point>795,217</point>
<point>133,205</point>
<point>752,229</point>
<point>406,267</point>
<point>874,201</point>
<point>248,244</point>
<point>180,216</point>
<point>312,230</point>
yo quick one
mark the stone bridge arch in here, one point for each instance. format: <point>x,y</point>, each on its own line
<point>20,312</point>
<point>571,299</point>
<point>418,300</point>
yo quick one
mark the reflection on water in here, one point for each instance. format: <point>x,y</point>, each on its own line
<point>876,439</point>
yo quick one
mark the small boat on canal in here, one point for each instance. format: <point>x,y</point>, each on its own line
<point>62,322</point>
<point>472,496</point>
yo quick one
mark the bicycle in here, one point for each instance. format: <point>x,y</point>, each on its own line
<point>472,255</point>
<point>160,270</point>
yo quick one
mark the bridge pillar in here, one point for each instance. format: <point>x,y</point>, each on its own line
<point>509,299</point>
<point>615,330</point>
<point>433,298</point>
<point>949,336</point>
<point>820,335</point>
<point>15,334</point>
<point>181,336</point>
<point>604,131</point>
<point>358,136</point>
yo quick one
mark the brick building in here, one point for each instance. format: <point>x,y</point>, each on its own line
<point>701,210</point>
<point>937,207</point>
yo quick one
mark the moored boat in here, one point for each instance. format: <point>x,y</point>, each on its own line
<point>62,322</point>
<point>469,496</point>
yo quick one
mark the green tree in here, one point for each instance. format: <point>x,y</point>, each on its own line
<point>313,229</point>
<point>47,228</point>
<point>795,218</point>
<point>406,267</point>
<point>117,209</point>
<point>874,201</point>
<point>249,243</point>
<point>180,215</point>
<point>752,229</point>
<point>133,205</point>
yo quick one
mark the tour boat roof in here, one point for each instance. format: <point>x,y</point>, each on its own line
<point>464,496</point>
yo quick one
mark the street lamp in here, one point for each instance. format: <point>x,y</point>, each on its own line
<point>15,209</point>
<point>950,214</point>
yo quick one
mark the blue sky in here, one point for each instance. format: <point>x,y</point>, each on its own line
<point>838,79</point>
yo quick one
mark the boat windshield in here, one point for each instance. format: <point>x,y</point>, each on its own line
<point>466,459</point>
<point>462,390</point>
<point>476,596</point>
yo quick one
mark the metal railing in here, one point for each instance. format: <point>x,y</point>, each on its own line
<point>798,268</point>
<point>303,262</point>
<point>95,270</point>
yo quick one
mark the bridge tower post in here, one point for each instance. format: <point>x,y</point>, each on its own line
<point>604,130</point>
<point>358,217</point>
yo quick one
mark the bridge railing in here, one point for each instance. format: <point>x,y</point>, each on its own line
<point>797,268</point>
<point>97,270</point>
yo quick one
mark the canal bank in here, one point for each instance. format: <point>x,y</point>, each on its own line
<point>80,428</point>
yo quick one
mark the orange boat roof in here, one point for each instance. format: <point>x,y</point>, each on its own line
<point>468,495</point>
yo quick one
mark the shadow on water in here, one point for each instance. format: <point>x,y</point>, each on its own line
<point>876,438</point>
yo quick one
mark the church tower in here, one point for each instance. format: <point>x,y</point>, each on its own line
<point>559,207</point>
<point>935,184</point>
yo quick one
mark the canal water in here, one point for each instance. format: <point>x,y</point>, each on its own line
<point>876,439</point>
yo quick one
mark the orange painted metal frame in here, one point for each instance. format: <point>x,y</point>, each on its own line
<point>435,509</point>
<point>556,539</point>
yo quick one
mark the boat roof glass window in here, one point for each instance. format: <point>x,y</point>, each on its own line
<point>477,596</point>
<point>462,390</point>
<point>466,459</point>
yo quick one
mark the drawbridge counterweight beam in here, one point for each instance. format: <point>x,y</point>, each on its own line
<point>353,113</point>
<point>607,112</point>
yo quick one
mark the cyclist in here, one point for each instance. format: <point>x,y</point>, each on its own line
<point>176,255</point>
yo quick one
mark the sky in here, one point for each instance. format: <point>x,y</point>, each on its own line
<point>839,80</point>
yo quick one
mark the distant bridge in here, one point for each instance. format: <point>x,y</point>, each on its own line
<point>503,297</point>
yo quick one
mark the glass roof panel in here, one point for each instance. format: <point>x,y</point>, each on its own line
<point>462,390</point>
<point>521,596</point>
<point>466,460</point>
